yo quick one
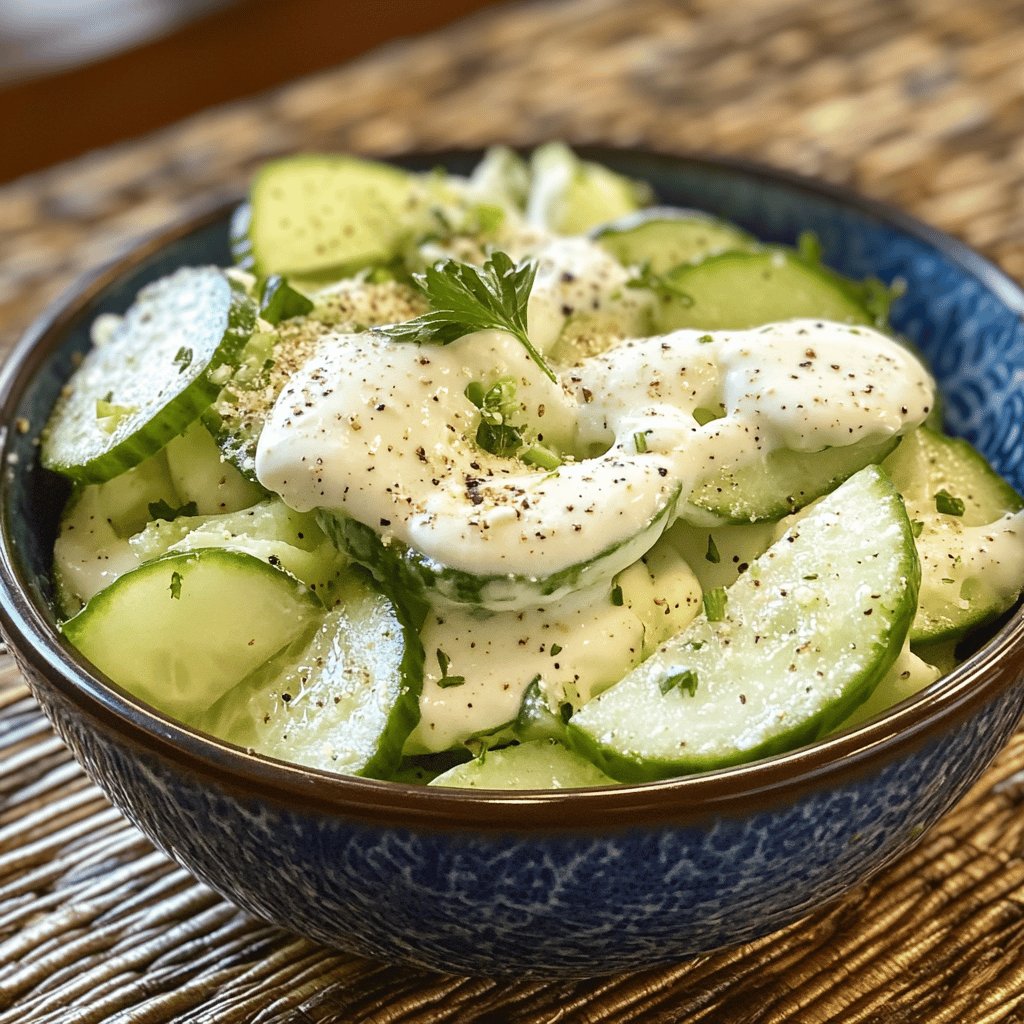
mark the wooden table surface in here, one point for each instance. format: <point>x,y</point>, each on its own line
<point>919,102</point>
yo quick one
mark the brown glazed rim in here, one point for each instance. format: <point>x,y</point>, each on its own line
<point>693,800</point>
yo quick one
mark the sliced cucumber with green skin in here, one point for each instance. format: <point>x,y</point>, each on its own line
<point>782,482</point>
<point>92,547</point>
<point>406,571</point>
<point>343,700</point>
<point>666,237</point>
<point>928,462</point>
<point>269,530</point>
<point>908,675</point>
<point>970,534</point>
<point>804,637</point>
<point>736,290</point>
<point>204,479</point>
<point>153,378</point>
<point>570,196</point>
<point>175,634</point>
<point>313,213</point>
<point>538,764</point>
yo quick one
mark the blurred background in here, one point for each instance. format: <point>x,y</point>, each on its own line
<point>79,74</point>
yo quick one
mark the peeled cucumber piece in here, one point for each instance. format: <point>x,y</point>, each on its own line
<point>175,633</point>
<point>342,700</point>
<point>666,237</point>
<point>969,527</point>
<point>537,764</point>
<point>152,378</point>
<point>736,290</point>
<point>569,196</point>
<point>801,640</point>
<point>314,213</point>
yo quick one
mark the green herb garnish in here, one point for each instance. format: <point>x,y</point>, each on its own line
<point>947,505</point>
<point>497,405</point>
<point>617,596</point>
<point>175,587</point>
<point>686,681</point>
<point>443,661</point>
<point>916,526</point>
<point>703,415</point>
<point>542,456</point>
<point>183,359</point>
<point>640,442</point>
<point>712,554</point>
<point>714,604</point>
<point>556,649</point>
<point>465,298</point>
<point>161,510</point>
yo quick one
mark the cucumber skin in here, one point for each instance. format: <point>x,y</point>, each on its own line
<point>407,574</point>
<point>635,769</point>
<point>175,417</point>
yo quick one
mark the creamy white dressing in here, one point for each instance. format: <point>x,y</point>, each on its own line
<point>382,431</point>
<point>576,648</point>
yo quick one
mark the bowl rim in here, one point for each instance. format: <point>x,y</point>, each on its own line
<point>692,800</point>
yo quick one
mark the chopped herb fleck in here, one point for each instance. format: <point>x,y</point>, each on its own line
<point>712,554</point>
<point>161,510</point>
<point>947,505</point>
<point>183,358</point>
<point>175,587</point>
<point>640,442</point>
<point>916,526</point>
<point>617,596</point>
<point>446,680</point>
<point>556,649</point>
<point>714,604</point>
<point>685,681</point>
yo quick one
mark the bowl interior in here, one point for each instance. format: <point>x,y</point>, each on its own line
<point>963,314</point>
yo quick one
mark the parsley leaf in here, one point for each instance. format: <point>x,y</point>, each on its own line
<point>712,553</point>
<point>161,510</point>
<point>465,298</point>
<point>175,587</point>
<point>183,359</point>
<point>497,405</point>
<point>617,598</point>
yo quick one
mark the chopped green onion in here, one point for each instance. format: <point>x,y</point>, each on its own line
<point>714,604</point>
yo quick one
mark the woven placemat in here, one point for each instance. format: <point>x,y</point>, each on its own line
<point>920,103</point>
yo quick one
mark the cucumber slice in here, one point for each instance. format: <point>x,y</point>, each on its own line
<point>539,764</point>
<point>781,483</point>
<point>312,214</point>
<point>805,635</point>
<point>203,478</point>
<point>569,196</point>
<point>928,462</point>
<point>343,700</point>
<point>970,534</point>
<point>175,634</point>
<point>666,237</point>
<point>407,571</point>
<point>908,675</point>
<point>270,531</point>
<point>155,376</point>
<point>746,289</point>
<point>92,547</point>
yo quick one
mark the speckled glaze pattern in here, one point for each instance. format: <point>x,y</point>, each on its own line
<point>609,894</point>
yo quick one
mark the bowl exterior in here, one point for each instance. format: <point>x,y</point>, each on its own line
<point>600,891</point>
<point>574,902</point>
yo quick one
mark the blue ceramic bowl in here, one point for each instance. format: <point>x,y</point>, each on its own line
<point>553,883</point>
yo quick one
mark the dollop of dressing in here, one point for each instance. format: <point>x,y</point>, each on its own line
<point>383,432</point>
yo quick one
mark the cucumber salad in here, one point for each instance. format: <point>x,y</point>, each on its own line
<point>515,480</point>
